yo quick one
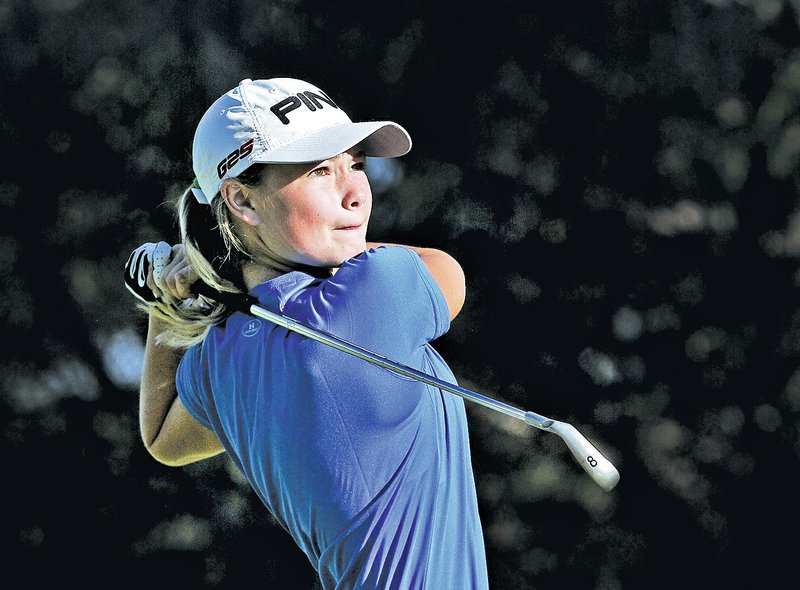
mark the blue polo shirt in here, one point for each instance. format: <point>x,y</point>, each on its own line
<point>369,471</point>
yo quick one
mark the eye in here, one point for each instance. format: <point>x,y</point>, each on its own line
<point>321,171</point>
<point>360,166</point>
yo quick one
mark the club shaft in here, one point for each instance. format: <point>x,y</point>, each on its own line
<point>530,418</point>
<point>599,468</point>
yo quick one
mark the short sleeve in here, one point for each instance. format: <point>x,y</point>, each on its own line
<point>384,297</point>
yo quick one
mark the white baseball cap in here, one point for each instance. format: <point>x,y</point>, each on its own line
<point>281,120</point>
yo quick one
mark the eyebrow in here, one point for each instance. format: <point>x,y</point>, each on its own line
<point>358,154</point>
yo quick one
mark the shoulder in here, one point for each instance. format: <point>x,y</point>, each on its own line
<point>383,258</point>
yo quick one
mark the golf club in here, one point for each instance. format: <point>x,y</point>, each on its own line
<point>599,468</point>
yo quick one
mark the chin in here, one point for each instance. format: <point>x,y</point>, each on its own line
<point>334,256</point>
<point>335,262</point>
<point>354,250</point>
<point>347,257</point>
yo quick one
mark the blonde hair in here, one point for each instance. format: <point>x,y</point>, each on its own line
<point>216,253</point>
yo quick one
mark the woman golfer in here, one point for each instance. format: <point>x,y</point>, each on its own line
<point>368,471</point>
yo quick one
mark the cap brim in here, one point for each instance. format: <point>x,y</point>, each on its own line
<point>378,139</point>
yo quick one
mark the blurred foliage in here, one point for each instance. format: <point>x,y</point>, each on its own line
<point>618,179</point>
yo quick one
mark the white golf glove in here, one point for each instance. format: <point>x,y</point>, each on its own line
<point>139,262</point>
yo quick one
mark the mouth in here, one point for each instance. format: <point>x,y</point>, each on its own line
<point>349,228</point>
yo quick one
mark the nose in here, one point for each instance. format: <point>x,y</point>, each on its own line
<point>352,200</point>
<point>355,192</point>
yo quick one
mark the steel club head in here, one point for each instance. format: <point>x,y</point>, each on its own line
<point>599,468</point>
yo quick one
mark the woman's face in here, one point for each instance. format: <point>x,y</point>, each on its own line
<point>315,214</point>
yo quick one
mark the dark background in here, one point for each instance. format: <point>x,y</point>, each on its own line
<point>619,180</point>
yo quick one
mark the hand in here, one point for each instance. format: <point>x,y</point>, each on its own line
<point>173,280</point>
<point>147,260</point>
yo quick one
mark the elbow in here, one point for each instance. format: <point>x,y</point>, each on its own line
<point>169,460</point>
<point>165,455</point>
<point>178,439</point>
<point>161,457</point>
<point>180,451</point>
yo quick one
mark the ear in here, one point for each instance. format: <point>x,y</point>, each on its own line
<point>238,202</point>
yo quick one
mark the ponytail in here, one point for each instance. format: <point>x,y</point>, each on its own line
<point>217,255</point>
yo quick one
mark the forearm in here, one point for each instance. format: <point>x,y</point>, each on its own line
<point>158,390</point>
<point>170,434</point>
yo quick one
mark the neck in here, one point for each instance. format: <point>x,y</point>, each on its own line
<point>254,273</point>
